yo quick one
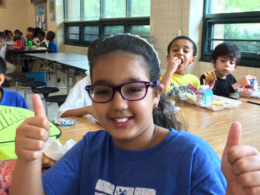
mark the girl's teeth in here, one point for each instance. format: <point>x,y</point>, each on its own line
<point>121,120</point>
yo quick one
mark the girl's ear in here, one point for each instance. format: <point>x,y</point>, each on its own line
<point>2,79</point>
<point>158,91</point>
<point>193,59</point>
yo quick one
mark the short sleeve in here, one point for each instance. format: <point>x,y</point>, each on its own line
<point>63,178</point>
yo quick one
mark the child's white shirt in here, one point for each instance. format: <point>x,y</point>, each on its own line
<point>45,42</point>
<point>78,97</point>
<point>3,52</point>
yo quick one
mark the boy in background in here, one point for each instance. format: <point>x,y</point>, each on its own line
<point>9,98</point>
<point>182,52</point>
<point>10,67</point>
<point>224,59</point>
<point>52,45</point>
<point>35,65</point>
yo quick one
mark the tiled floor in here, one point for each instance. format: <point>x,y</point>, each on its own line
<point>53,109</point>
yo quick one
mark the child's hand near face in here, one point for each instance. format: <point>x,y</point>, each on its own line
<point>210,83</point>
<point>245,81</point>
<point>240,165</point>
<point>32,134</point>
<point>173,63</point>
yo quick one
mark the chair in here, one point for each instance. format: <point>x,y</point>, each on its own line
<point>23,79</point>
<point>59,99</point>
<point>45,91</point>
<point>32,85</point>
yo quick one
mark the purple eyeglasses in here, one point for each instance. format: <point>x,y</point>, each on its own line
<point>132,91</point>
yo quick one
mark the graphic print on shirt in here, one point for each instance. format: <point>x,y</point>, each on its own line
<point>176,90</point>
<point>106,188</point>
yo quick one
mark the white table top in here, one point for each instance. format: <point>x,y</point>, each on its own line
<point>83,65</point>
<point>60,57</point>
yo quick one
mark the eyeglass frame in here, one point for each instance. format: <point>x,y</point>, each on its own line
<point>119,89</point>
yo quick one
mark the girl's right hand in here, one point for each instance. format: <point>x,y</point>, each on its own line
<point>173,63</point>
<point>32,134</point>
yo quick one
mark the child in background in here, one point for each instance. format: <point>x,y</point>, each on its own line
<point>52,45</point>
<point>138,153</point>
<point>78,102</point>
<point>224,59</point>
<point>34,66</point>
<point>19,36</point>
<point>31,35</point>
<point>10,36</point>
<point>182,52</point>
<point>10,67</point>
<point>9,98</point>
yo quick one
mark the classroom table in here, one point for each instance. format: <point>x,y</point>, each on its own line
<point>252,100</point>
<point>80,65</point>
<point>211,126</point>
<point>214,126</point>
<point>24,51</point>
<point>65,59</point>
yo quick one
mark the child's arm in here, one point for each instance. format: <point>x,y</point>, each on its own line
<point>242,82</point>
<point>43,44</point>
<point>30,139</point>
<point>240,165</point>
<point>173,63</point>
<point>79,112</point>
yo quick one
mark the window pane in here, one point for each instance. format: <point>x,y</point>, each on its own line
<point>112,30</point>
<point>72,10</point>
<point>242,31</point>
<point>92,10</point>
<point>73,33</point>
<point>141,30</point>
<point>91,33</point>
<point>231,6</point>
<point>140,8</point>
<point>114,9</point>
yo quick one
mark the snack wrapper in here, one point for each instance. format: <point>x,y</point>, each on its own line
<point>64,122</point>
<point>56,150</point>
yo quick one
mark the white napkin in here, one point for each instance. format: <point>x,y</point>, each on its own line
<point>56,150</point>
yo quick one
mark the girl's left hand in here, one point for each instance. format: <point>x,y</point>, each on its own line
<point>240,165</point>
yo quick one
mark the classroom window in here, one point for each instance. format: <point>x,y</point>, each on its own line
<point>232,21</point>
<point>87,20</point>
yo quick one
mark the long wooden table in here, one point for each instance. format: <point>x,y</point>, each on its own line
<point>250,100</point>
<point>211,126</point>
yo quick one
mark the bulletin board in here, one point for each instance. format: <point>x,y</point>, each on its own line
<point>40,16</point>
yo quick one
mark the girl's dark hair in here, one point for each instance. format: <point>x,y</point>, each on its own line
<point>226,50</point>
<point>2,35</point>
<point>93,45</point>
<point>186,38</point>
<point>164,116</point>
<point>30,29</point>
<point>36,31</point>
<point>18,31</point>
<point>2,66</point>
<point>6,32</point>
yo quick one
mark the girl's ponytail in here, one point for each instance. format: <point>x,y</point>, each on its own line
<point>165,115</point>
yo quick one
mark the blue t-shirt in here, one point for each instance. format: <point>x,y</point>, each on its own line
<point>12,98</point>
<point>53,46</point>
<point>181,164</point>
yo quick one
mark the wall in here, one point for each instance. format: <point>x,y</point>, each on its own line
<point>13,15</point>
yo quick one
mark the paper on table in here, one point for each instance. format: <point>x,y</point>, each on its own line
<point>56,150</point>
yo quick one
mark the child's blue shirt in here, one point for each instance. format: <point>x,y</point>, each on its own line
<point>53,46</point>
<point>12,98</point>
<point>181,164</point>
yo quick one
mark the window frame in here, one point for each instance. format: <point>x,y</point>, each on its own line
<point>102,22</point>
<point>249,60</point>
